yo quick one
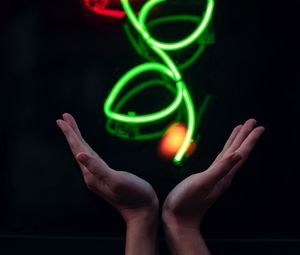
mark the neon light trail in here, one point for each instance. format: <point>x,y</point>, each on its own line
<point>107,8</point>
<point>165,67</point>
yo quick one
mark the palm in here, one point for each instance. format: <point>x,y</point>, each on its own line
<point>125,191</point>
<point>189,200</point>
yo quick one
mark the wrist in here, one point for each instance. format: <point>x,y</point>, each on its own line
<point>176,230</point>
<point>147,215</point>
<point>141,234</point>
<point>185,240</point>
<point>147,219</point>
<point>183,235</point>
<point>172,221</point>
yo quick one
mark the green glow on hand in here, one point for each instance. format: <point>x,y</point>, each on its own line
<point>167,67</point>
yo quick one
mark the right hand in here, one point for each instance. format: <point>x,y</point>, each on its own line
<point>188,202</point>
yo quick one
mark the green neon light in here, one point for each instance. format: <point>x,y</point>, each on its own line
<point>141,50</point>
<point>134,91</point>
<point>143,86</point>
<point>138,47</point>
<point>144,118</point>
<point>133,19</point>
<point>182,43</point>
<point>193,59</point>
<point>167,67</point>
<point>190,126</point>
<point>173,18</point>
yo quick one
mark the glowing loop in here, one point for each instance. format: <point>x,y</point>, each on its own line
<point>123,100</point>
<point>102,9</point>
<point>149,117</point>
<point>106,8</point>
<point>141,50</point>
<point>170,70</point>
<point>140,25</point>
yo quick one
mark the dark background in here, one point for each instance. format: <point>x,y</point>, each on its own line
<point>57,60</point>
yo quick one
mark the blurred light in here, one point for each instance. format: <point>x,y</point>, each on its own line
<point>173,140</point>
<point>107,8</point>
<point>142,118</point>
<point>140,25</point>
<point>180,140</point>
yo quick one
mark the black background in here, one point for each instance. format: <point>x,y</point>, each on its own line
<point>56,60</point>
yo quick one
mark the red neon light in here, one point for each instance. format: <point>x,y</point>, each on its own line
<point>172,140</point>
<point>107,8</point>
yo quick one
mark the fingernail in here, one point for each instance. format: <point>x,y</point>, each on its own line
<point>261,129</point>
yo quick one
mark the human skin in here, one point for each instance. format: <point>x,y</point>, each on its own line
<point>187,203</point>
<point>184,207</point>
<point>132,196</point>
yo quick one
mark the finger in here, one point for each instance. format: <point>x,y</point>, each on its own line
<point>244,151</point>
<point>246,148</point>
<point>242,135</point>
<point>221,168</point>
<point>71,121</point>
<point>249,143</point>
<point>94,165</point>
<point>232,137</point>
<point>229,142</point>
<point>73,140</point>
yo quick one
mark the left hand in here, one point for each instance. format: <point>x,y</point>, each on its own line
<point>133,197</point>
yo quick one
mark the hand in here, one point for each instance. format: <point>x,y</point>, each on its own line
<point>188,202</point>
<point>133,197</point>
